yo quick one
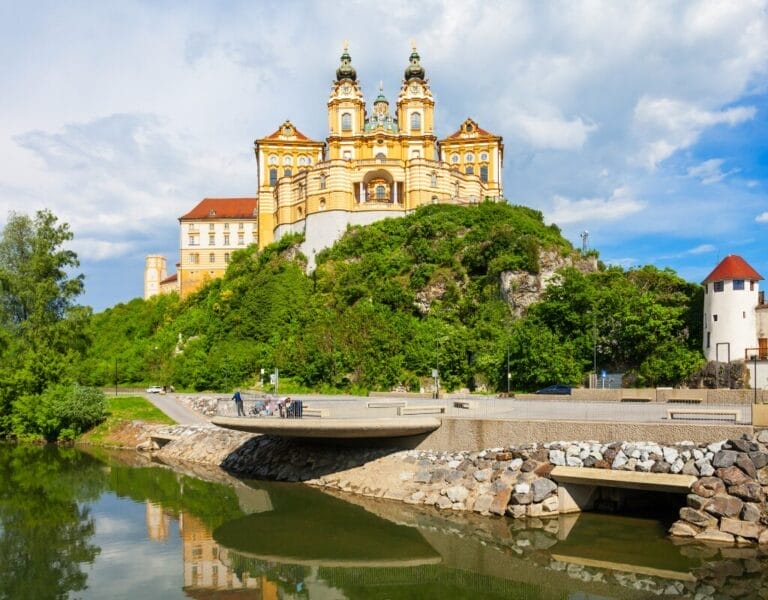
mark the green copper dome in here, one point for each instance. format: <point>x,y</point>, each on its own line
<point>414,70</point>
<point>346,70</point>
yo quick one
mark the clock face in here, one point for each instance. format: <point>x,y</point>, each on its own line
<point>346,88</point>
<point>415,88</point>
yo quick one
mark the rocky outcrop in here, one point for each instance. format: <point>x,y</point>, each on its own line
<point>520,289</point>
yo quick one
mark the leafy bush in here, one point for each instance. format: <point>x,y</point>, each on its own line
<point>61,412</point>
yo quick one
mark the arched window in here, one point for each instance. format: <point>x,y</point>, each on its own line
<point>469,157</point>
<point>454,158</point>
<point>381,156</point>
<point>380,192</point>
<point>484,156</point>
<point>287,160</point>
<point>346,122</point>
<point>484,173</point>
<point>302,160</point>
<point>287,172</point>
<point>301,211</point>
<point>322,203</point>
<point>272,177</point>
<point>470,170</point>
<point>322,181</point>
<point>434,199</point>
<point>433,179</point>
<point>273,159</point>
<point>415,120</point>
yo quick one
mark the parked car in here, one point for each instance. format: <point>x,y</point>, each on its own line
<point>556,389</point>
<point>154,389</point>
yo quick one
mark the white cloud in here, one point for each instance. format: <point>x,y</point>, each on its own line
<point>762,217</point>
<point>620,205</point>
<point>550,131</point>
<point>702,249</point>
<point>100,250</point>
<point>667,125</point>
<point>709,171</point>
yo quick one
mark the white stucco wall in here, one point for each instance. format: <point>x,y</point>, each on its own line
<point>736,323</point>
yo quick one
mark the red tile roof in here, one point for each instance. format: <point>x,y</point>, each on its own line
<point>279,133</point>
<point>170,278</point>
<point>733,267</point>
<point>223,208</point>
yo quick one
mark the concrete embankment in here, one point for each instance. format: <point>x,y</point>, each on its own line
<point>726,503</point>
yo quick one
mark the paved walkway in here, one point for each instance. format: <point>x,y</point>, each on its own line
<point>174,408</point>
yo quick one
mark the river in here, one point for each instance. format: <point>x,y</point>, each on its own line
<point>76,524</point>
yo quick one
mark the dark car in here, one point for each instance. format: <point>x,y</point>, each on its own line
<point>556,389</point>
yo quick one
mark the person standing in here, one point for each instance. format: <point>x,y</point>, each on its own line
<point>239,403</point>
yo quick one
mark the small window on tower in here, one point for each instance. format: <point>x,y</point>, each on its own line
<point>484,174</point>
<point>454,158</point>
<point>714,317</point>
<point>738,284</point>
<point>272,177</point>
<point>322,181</point>
<point>416,121</point>
<point>743,314</point>
<point>717,286</point>
<point>346,122</point>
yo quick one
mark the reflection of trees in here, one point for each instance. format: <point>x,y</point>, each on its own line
<point>45,532</point>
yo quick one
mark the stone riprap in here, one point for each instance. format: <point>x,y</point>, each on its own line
<point>727,504</point>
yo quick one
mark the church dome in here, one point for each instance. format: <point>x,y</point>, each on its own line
<point>414,70</point>
<point>346,70</point>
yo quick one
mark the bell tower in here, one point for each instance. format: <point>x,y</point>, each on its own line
<point>346,111</point>
<point>415,112</point>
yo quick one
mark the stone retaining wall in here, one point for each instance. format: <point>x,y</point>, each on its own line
<point>727,504</point>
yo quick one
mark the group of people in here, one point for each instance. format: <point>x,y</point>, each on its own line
<point>285,407</point>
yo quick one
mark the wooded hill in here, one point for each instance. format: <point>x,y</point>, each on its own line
<point>394,300</point>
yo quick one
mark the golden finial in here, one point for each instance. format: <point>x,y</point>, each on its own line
<point>413,45</point>
<point>345,44</point>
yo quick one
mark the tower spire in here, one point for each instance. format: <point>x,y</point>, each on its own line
<point>414,70</point>
<point>346,70</point>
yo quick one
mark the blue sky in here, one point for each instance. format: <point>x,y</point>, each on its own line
<point>645,123</point>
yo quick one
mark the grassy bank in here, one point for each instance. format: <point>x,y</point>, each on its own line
<point>119,427</point>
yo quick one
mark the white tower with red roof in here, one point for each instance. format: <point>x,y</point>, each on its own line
<point>730,300</point>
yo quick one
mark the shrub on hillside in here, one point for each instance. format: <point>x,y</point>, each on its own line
<point>61,412</point>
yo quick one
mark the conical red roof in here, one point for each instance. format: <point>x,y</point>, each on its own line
<point>733,267</point>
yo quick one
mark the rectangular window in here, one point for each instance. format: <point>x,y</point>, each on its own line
<point>751,286</point>
<point>738,284</point>
<point>226,225</point>
<point>212,239</point>
<point>717,286</point>
<point>709,336</point>
<point>226,258</point>
<point>240,226</point>
<point>241,239</point>
<point>211,258</point>
<point>226,239</point>
<point>192,240</point>
<point>210,227</point>
<point>714,317</point>
<point>193,258</point>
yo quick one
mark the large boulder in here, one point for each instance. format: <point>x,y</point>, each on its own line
<point>541,488</point>
<point>724,506</point>
<point>732,475</point>
<point>744,529</point>
<point>708,487</point>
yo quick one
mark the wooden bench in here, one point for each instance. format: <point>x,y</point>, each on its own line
<point>637,399</point>
<point>704,414</point>
<point>464,404</point>
<point>420,410</point>
<point>684,401</point>
<point>309,411</point>
<point>387,403</point>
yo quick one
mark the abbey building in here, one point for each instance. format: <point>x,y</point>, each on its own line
<point>372,165</point>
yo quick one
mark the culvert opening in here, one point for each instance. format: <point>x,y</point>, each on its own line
<point>662,506</point>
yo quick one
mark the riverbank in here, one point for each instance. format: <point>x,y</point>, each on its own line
<point>727,504</point>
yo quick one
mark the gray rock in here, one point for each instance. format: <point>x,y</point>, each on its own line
<point>422,477</point>
<point>714,535</point>
<point>457,493</point>
<point>521,499</point>
<point>670,454</point>
<point>750,512</point>
<point>522,488</point>
<point>697,517</point>
<point>743,529</point>
<point>483,503</point>
<point>516,511</point>
<point>541,488</point>
<point>689,468</point>
<point>744,462</point>
<point>677,466</point>
<point>695,501</point>
<point>724,458</point>
<point>759,459</point>
<point>483,475</point>
<point>550,505</point>
<point>438,475</point>
<point>443,503</point>
<point>724,506</point>
<point>516,463</point>
<point>574,461</point>
<point>706,470</point>
<point>660,466</point>
<point>619,461</point>
<point>749,491</point>
<point>453,476</point>
<point>762,437</point>
<point>684,529</point>
<point>500,501</point>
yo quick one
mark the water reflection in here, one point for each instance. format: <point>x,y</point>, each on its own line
<point>199,533</point>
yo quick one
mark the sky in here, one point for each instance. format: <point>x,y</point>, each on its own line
<point>643,123</point>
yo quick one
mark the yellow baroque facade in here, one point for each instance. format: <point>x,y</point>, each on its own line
<point>371,166</point>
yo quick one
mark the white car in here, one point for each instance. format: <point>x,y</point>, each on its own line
<point>154,389</point>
